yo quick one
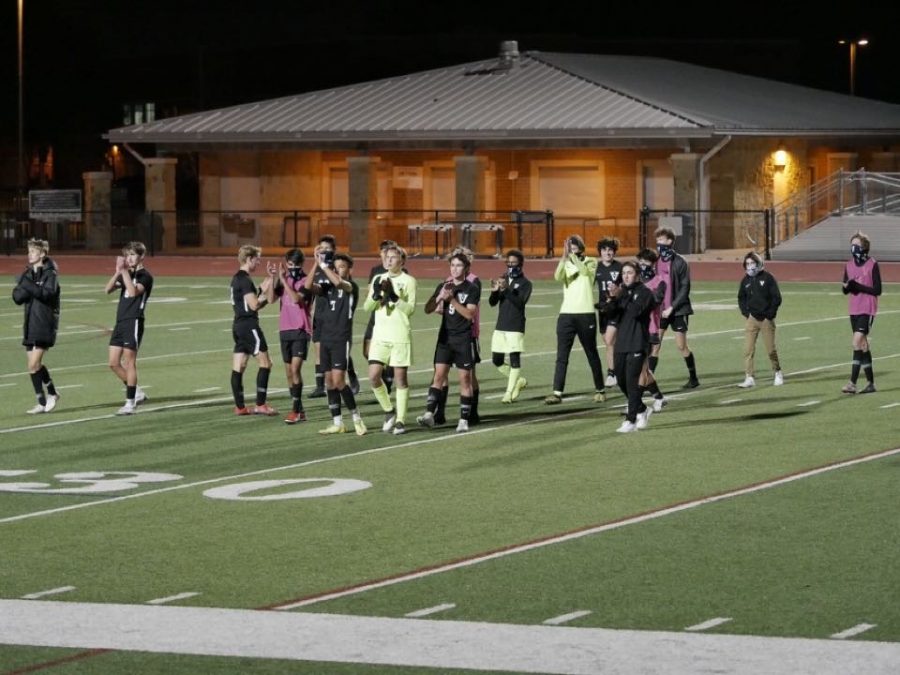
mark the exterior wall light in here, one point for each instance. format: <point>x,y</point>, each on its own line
<point>780,159</point>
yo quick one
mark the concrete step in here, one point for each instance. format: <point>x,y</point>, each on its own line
<point>830,239</point>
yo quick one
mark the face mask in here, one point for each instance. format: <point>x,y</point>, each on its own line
<point>647,272</point>
<point>858,254</point>
<point>752,270</point>
<point>294,272</point>
<point>665,252</point>
<point>514,272</point>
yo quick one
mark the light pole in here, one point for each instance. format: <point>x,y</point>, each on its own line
<point>862,42</point>
<point>21,185</point>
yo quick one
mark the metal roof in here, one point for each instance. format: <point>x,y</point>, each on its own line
<point>533,97</point>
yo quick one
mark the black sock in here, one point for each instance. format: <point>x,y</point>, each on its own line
<point>651,362</point>
<point>351,369</point>
<point>653,388</point>
<point>237,388</point>
<point>334,402</point>
<point>262,385</point>
<point>38,388</point>
<point>130,392</point>
<point>320,377</point>
<point>349,398</point>
<point>431,401</point>
<point>441,410</point>
<point>867,367</point>
<point>689,362</point>
<point>296,404</point>
<point>45,378</point>
<point>610,372</point>
<point>855,364</point>
<point>475,393</point>
<point>465,407</point>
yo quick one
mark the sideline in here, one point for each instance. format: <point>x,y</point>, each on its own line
<point>427,643</point>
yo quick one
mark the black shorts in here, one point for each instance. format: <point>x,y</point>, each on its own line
<point>334,355</point>
<point>127,334</point>
<point>654,339</point>
<point>861,323</point>
<point>294,344</point>
<point>678,323</point>
<point>476,349</point>
<point>605,321</point>
<point>31,345</point>
<point>370,327</point>
<point>459,353</point>
<point>317,330</point>
<point>248,338</point>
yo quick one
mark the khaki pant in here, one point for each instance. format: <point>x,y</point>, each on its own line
<point>751,331</point>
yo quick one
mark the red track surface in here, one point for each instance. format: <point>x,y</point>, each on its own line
<point>704,270</point>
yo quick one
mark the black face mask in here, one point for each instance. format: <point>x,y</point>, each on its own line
<point>295,272</point>
<point>647,272</point>
<point>666,252</point>
<point>514,271</point>
<point>859,255</point>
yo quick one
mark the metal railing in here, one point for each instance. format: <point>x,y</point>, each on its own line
<point>699,230</point>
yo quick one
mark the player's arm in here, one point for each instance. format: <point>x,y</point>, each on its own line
<point>407,304</point>
<point>874,289</point>
<point>684,286</point>
<point>438,296</point>
<point>335,278</point>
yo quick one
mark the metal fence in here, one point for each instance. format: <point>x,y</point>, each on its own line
<point>701,230</point>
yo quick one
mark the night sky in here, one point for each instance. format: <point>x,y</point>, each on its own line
<point>84,58</point>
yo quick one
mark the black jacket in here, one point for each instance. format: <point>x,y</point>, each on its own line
<point>39,292</point>
<point>681,287</point>
<point>759,296</point>
<point>633,306</point>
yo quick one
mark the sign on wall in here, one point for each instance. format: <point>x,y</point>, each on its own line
<point>408,177</point>
<point>51,205</point>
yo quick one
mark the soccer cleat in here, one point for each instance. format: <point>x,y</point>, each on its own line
<point>399,428</point>
<point>360,427</point>
<point>242,411</point>
<point>553,399</point>
<point>333,429</point>
<point>627,427</point>
<point>294,417</point>
<point>318,392</point>
<point>127,409</point>
<point>870,389</point>
<point>520,384</point>
<point>390,418</point>
<point>692,383</point>
<point>643,419</point>
<point>748,382</point>
<point>779,378</point>
<point>52,400</point>
<point>264,409</point>
<point>426,420</point>
<point>611,381</point>
<point>660,403</point>
<point>849,388</point>
<point>36,410</point>
<point>599,396</point>
<point>462,426</point>
<point>139,396</point>
<point>507,398</point>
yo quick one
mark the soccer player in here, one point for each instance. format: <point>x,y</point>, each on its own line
<point>326,249</point>
<point>37,288</point>
<point>294,327</point>
<point>388,374</point>
<point>609,272</point>
<point>134,284</point>
<point>677,303</point>
<point>576,317</point>
<point>392,298</point>
<point>248,336</point>
<point>758,299</point>
<point>512,292</point>
<point>336,320</point>
<point>646,260</point>
<point>455,344</point>
<point>633,303</point>
<point>862,285</point>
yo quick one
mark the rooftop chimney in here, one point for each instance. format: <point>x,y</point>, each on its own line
<point>509,53</point>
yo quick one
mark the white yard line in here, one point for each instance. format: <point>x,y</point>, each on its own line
<point>52,591</point>
<point>890,405</point>
<point>566,618</point>
<point>855,630</point>
<point>172,598</point>
<point>584,532</point>
<point>706,625</point>
<point>808,404</point>
<point>428,611</point>
<point>428,644</point>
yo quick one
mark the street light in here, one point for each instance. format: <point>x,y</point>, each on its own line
<point>21,185</point>
<point>862,42</point>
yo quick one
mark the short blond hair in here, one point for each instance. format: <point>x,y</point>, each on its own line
<point>863,240</point>
<point>41,245</point>
<point>247,252</point>
<point>135,247</point>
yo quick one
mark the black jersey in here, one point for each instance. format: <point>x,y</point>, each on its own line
<point>512,300</point>
<point>321,279</point>
<point>336,315</point>
<point>241,285</point>
<point>453,324</point>
<point>131,308</point>
<point>605,276</point>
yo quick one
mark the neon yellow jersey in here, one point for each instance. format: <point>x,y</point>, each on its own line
<point>578,284</point>
<point>392,318</point>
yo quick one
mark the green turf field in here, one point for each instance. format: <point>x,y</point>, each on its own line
<point>185,498</point>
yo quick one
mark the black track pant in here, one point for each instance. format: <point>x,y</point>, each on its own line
<point>568,326</point>
<point>628,367</point>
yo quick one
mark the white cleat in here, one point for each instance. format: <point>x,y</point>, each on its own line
<point>748,382</point>
<point>610,380</point>
<point>36,410</point>
<point>462,426</point>
<point>127,409</point>
<point>52,400</point>
<point>426,420</point>
<point>627,427</point>
<point>779,378</point>
<point>390,418</point>
<point>660,403</point>
<point>643,419</point>
<point>139,396</point>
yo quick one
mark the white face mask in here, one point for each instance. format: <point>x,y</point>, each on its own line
<point>752,270</point>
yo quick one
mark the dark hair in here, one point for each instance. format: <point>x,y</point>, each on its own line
<point>346,258</point>
<point>666,232</point>
<point>516,253</point>
<point>575,239</point>
<point>295,255</point>
<point>462,257</point>
<point>387,243</point>
<point>633,265</point>
<point>648,254</point>
<point>608,242</point>
<point>328,239</point>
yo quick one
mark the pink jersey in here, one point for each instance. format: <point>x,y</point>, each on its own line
<point>656,312</point>
<point>664,272</point>
<point>861,303</point>
<point>294,315</point>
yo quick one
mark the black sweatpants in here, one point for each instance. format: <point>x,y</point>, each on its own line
<point>585,327</point>
<point>628,366</point>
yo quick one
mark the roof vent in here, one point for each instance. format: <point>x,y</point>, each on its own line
<point>508,59</point>
<point>509,52</point>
